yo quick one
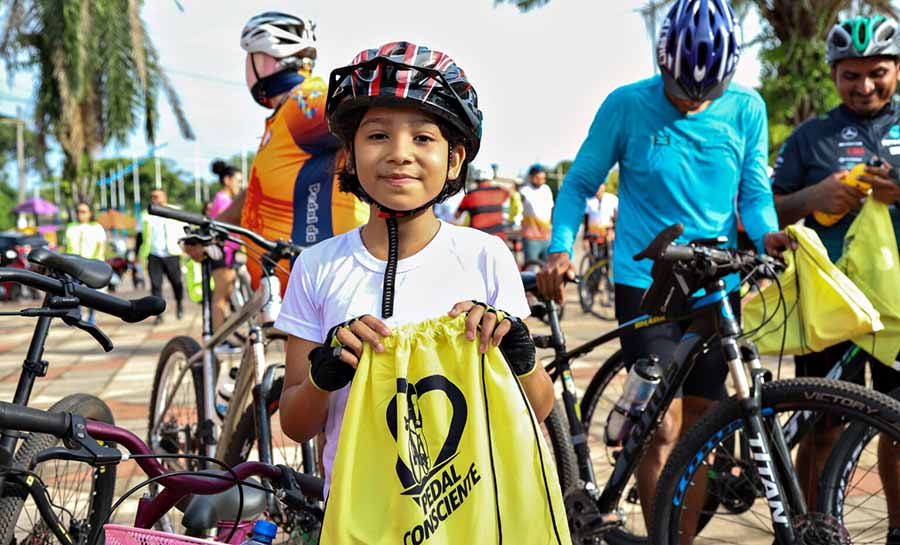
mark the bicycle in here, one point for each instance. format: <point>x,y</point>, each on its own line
<point>184,416</point>
<point>594,513</point>
<point>604,389</point>
<point>596,287</point>
<point>224,499</point>
<point>79,497</point>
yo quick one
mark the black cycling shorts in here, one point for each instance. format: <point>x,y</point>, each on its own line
<point>817,364</point>
<point>707,378</point>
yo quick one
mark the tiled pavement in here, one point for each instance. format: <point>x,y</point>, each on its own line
<point>123,378</point>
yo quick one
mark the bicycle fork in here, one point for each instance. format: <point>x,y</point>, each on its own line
<point>765,441</point>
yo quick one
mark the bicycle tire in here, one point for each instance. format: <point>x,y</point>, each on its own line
<point>12,503</point>
<point>845,399</point>
<point>306,529</point>
<point>556,427</point>
<point>839,471</point>
<point>597,390</point>
<point>176,439</point>
<point>586,289</point>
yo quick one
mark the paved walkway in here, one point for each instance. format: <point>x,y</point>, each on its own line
<point>123,378</point>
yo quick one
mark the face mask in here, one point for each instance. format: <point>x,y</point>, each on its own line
<point>273,85</point>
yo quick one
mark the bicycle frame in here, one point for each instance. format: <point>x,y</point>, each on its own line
<point>768,443</point>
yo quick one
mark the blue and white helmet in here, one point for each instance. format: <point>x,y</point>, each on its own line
<point>698,49</point>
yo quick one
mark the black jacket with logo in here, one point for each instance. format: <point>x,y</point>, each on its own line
<point>832,142</point>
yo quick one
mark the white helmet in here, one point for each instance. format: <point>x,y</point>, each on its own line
<point>478,173</point>
<point>279,35</point>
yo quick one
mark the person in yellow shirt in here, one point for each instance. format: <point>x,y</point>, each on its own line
<point>86,238</point>
<point>292,192</point>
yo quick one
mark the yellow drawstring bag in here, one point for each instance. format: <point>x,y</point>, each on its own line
<point>439,446</point>
<point>821,307</point>
<point>870,260</point>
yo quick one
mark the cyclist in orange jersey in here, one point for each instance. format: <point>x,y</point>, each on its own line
<point>292,193</point>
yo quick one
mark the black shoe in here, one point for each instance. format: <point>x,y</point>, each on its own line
<point>179,312</point>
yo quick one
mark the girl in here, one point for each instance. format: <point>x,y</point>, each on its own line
<point>409,122</point>
<point>222,269</point>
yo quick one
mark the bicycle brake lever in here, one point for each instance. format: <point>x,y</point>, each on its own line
<point>73,318</point>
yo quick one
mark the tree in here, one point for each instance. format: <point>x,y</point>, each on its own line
<point>98,75</point>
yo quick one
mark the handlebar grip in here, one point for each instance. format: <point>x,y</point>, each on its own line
<point>176,214</point>
<point>130,311</point>
<point>17,417</point>
<point>677,252</point>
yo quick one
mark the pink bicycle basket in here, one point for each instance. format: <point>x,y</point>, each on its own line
<point>117,534</point>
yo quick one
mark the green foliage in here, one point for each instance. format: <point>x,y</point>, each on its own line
<point>790,99</point>
<point>97,74</point>
<point>8,197</point>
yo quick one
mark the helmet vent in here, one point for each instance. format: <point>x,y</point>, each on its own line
<point>703,54</point>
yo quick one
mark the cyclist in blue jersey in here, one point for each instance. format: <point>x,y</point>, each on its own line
<point>689,144</point>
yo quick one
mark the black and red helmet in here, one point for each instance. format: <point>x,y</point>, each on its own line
<point>406,72</point>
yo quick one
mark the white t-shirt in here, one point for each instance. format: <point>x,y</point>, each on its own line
<point>600,211</point>
<point>338,279</point>
<point>537,202</point>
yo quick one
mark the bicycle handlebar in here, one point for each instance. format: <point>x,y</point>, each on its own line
<point>131,311</point>
<point>21,418</point>
<point>282,247</point>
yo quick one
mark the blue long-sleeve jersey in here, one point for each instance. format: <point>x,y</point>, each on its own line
<point>673,168</point>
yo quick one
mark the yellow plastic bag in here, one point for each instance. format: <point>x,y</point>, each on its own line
<point>870,260</point>
<point>439,446</point>
<point>823,307</point>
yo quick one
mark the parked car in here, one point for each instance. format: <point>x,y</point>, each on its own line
<point>14,248</point>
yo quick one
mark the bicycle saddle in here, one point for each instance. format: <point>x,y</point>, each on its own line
<point>205,512</point>
<point>93,273</point>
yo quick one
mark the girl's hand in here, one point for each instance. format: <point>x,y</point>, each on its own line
<point>352,334</point>
<point>332,367</point>
<point>478,314</point>
<point>511,336</point>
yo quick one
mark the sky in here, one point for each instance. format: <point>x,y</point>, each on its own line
<point>540,76</point>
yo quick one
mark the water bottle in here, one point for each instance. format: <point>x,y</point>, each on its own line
<point>263,533</point>
<point>642,381</point>
<point>225,391</point>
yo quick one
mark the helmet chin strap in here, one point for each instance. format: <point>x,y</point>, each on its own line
<point>390,216</point>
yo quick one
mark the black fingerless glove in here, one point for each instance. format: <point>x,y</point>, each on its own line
<point>518,347</point>
<point>327,371</point>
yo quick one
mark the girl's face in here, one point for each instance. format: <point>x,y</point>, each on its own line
<point>233,183</point>
<point>401,157</point>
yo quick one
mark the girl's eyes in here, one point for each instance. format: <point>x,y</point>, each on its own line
<point>377,136</point>
<point>424,138</point>
<point>420,138</point>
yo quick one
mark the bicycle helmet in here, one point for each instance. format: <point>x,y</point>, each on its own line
<point>862,37</point>
<point>698,49</point>
<point>404,73</point>
<point>278,35</point>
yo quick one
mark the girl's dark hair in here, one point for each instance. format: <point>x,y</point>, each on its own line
<point>223,170</point>
<point>345,129</point>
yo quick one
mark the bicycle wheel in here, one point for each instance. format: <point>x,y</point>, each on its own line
<point>587,288</point>
<point>743,512</point>
<point>80,495</point>
<point>176,404</point>
<point>852,489</point>
<point>599,398</point>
